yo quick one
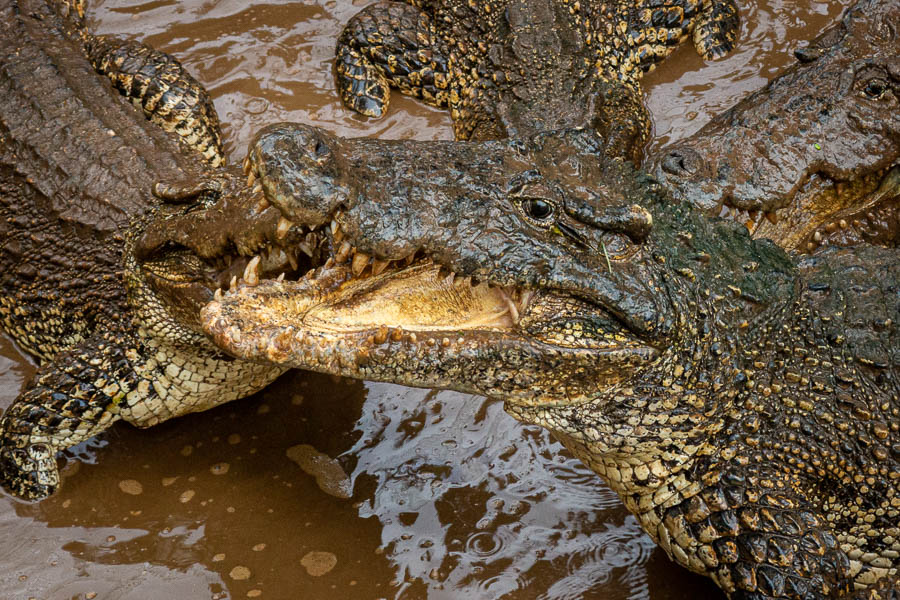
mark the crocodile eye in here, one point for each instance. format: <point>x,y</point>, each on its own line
<point>537,209</point>
<point>875,88</point>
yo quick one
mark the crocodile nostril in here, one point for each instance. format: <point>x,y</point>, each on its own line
<point>681,162</point>
<point>321,150</point>
<point>673,164</point>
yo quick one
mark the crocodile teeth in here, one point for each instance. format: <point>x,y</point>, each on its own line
<point>336,232</point>
<point>448,280</point>
<point>343,253</point>
<point>304,247</point>
<point>233,283</point>
<point>359,263</point>
<point>284,226</point>
<point>246,164</point>
<point>218,295</point>
<point>251,272</point>
<point>280,278</point>
<point>292,258</point>
<point>513,309</point>
<point>378,266</point>
<point>251,179</point>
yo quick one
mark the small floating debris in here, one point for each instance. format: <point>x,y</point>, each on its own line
<point>330,477</point>
<point>318,563</point>
<point>131,486</point>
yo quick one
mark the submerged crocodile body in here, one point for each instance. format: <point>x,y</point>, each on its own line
<point>509,68</point>
<point>814,157</point>
<point>77,164</point>
<point>742,403</point>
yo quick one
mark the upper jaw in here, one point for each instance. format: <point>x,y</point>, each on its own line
<point>386,203</point>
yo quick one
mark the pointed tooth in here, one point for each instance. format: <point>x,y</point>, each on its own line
<point>343,252</point>
<point>292,258</point>
<point>334,226</point>
<point>513,309</point>
<point>280,278</point>
<point>218,295</point>
<point>304,247</point>
<point>251,179</point>
<point>251,272</point>
<point>246,165</point>
<point>337,234</point>
<point>360,261</point>
<point>378,266</point>
<point>284,226</point>
<point>233,283</point>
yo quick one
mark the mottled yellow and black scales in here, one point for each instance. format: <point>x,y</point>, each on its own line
<point>77,164</point>
<point>508,67</point>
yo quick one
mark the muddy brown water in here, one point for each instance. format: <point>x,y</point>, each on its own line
<point>324,488</point>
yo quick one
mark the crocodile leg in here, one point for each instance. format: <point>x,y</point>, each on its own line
<point>658,30</point>
<point>716,28</point>
<point>116,374</point>
<point>390,44</point>
<point>167,94</point>
<point>757,535</point>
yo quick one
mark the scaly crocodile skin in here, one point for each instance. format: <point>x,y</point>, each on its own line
<point>77,164</point>
<point>507,68</point>
<point>743,402</point>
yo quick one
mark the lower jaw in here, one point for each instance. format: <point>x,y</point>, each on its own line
<point>827,212</point>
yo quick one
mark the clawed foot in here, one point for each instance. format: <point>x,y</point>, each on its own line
<point>29,473</point>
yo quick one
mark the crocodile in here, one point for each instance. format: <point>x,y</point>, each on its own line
<point>117,340</point>
<point>813,158</point>
<point>510,68</point>
<point>743,402</point>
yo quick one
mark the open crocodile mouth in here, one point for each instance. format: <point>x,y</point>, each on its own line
<point>376,317</point>
<point>826,210</point>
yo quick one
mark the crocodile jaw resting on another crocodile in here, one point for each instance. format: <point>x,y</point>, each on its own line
<point>738,401</point>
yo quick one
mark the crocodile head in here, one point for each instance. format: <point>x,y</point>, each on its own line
<point>527,270</point>
<point>210,232</point>
<point>812,157</point>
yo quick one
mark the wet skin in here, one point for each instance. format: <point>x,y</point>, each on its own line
<point>662,347</point>
<point>78,171</point>
<point>512,68</point>
<point>811,158</point>
<point>559,355</point>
